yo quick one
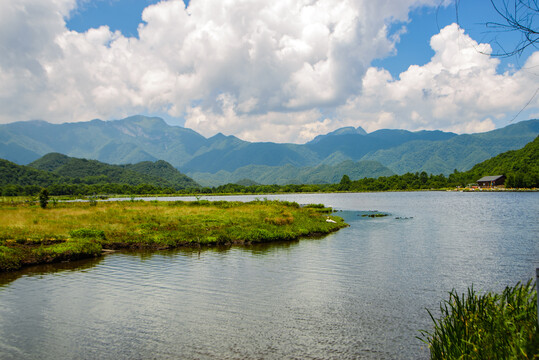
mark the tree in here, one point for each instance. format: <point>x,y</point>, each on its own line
<point>345,183</point>
<point>43,198</point>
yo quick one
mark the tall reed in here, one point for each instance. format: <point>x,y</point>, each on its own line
<point>489,326</point>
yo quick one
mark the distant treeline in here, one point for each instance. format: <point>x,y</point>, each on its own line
<point>409,181</point>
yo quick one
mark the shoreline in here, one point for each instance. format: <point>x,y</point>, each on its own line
<point>15,200</point>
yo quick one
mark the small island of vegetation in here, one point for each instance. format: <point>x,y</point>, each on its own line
<point>65,231</point>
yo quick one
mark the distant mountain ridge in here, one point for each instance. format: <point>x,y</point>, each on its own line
<point>138,138</point>
<point>289,174</point>
<point>349,130</point>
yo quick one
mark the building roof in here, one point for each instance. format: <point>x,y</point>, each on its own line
<point>490,178</point>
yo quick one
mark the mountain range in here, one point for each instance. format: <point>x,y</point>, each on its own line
<point>221,159</point>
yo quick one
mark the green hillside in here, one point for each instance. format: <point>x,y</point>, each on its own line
<point>13,174</point>
<point>521,167</point>
<point>67,175</point>
<point>160,174</point>
<point>163,170</point>
<point>461,152</point>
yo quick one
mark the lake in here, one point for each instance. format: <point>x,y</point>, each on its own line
<point>357,293</point>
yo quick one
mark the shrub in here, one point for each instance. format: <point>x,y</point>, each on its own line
<point>43,198</point>
<point>92,200</point>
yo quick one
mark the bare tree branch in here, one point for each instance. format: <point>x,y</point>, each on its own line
<point>521,16</point>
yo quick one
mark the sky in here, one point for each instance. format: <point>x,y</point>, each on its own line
<point>280,70</point>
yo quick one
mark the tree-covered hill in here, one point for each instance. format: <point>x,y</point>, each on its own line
<point>13,174</point>
<point>163,170</point>
<point>158,173</point>
<point>60,170</point>
<point>521,167</point>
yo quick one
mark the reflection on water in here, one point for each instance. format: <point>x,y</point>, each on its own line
<point>357,293</point>
<point>38,270</point>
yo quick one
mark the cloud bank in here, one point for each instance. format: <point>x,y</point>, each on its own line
<point>261,70</point>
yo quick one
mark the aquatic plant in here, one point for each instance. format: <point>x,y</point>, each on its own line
<point>488,326</point>
<point>374,215</point>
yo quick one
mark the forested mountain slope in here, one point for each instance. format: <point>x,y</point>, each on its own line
<point>57,168</point>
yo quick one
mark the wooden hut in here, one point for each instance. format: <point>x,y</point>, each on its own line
<point>491,181</point>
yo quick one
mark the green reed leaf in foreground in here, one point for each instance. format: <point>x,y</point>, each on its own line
<point>488,326</point>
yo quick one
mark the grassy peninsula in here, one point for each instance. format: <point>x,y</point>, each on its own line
<point>67,231</point>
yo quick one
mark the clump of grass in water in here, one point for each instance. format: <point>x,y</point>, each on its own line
<point>489,326</point>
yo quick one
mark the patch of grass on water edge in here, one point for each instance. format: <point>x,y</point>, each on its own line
<point>30,235</point>
<point>489,326</point>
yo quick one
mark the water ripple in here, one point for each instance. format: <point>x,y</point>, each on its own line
<point>358,293</point>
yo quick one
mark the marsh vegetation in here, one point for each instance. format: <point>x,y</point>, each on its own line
<point>30,234</point>
<point>486,326</point>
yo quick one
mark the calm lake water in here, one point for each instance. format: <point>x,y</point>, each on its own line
<point>358,293</point>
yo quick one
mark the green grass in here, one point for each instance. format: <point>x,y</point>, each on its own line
<point>31,235</point>
<point>489,326</point>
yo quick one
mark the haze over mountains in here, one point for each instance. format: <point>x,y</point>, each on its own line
<point>221,159</point>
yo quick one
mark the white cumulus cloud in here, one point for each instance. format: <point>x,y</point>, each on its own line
<point>261,70</point>
<point>458,90</point>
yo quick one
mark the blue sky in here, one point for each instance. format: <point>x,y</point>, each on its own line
<point>281,71</point>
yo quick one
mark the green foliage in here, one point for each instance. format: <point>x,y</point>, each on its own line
<point>92,200</point>
<point>43,198</point>
<point>87,234</point>
<point>65,251</point>
<point>489,326</point>
<point>22,176</point>
<point>345,183</point>
<point>10,258</point>
<point>165,171</point>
